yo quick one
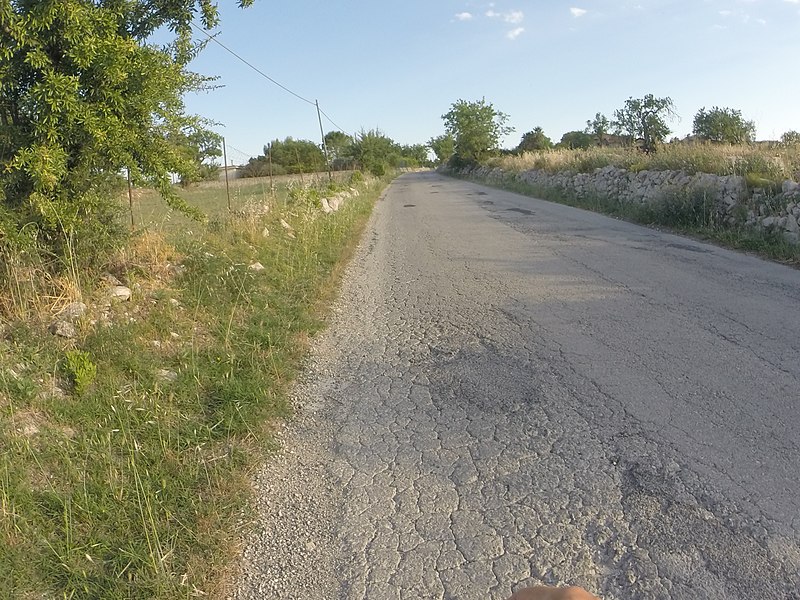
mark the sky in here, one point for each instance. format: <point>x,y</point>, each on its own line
<point>398,66</point>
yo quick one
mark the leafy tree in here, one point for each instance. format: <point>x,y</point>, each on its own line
<point>414,155</point>
<point>575,140</point>
<point>723,126</point>
<point>84,95</point>
<point>443,146</point>
<point>201,147</point>
<point>598,128</point>
<point>296,156</point>
<point>534,140</point>
<point>645,119</point>
<point>476,127</point>
<point>375,151</point>
<point>338,144</point>
<point>790,138</point>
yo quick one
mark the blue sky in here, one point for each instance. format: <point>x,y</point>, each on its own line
<point>398,66</point>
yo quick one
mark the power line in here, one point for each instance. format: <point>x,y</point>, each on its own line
<point>332,121</point>
<point>256,69</point>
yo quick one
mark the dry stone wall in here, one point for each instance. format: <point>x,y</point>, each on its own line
<point>733,202</point>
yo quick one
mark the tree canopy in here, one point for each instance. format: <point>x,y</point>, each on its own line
<point>575,140</point>
<point>598,128</point>
<point>645,119</point>
<point>443,146</point>
<point>84,95</point>
<point>534,140</point>
<point>476,128</point>
<point>723,126</point>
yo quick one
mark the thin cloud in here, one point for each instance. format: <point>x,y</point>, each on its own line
<point>577,12</point>
<point>515,33</point>
<point>464,16</point>
<point>513,17</point>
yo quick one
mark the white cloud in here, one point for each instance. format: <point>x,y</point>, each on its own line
<point>464,16</point>
<point>515,33</point>
<point>514,17</point>
<point>792,1</point>
<point>577,12</point>
<point>725,13</point>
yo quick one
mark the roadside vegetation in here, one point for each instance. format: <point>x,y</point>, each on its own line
<point>126,449</point>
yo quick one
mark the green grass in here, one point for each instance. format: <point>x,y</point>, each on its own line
<point>686,214</point>
<point>125,454</point>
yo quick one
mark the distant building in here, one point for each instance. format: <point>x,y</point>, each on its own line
<point>234,172</point>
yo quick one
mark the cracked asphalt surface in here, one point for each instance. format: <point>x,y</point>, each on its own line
<point>515,392</point>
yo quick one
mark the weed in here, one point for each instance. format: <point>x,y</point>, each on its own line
<point>80,369</point>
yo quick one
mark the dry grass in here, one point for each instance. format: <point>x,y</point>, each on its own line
<point>772,163</point>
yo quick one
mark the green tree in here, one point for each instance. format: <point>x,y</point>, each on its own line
<point>414,155</point>
<point>723,126</point>
<point>645,119</point>
<point>598,128</point>
<point>338,144</point>
<point>443,146</point>
<point>84,95</point>
<point>790,138</point>
<point>534,140</point>
<point>575,140</point>
<point>201,147</point>
<point>295,156</point>
<point>375,151</point>
<point>477,128</point>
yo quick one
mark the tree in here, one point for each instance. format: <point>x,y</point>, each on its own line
<point>85,95</point>
<point>476,127</point>
<point>598,128</point>
<point>534,140</point>
<point>575,140</point>
<point>443,146</point>
<point>723,126</point>
<point>338,144</point>
<point>790,138</point>
<point>296,156</point>
<point>645,119</point>
<point>414,155</point>
<point>201,147</point>
<point>375,151</point>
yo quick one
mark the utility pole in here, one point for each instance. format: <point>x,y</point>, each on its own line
<point>130,198</point>
<point>324,145</point>
<point>225,160</point>
<point>271,182</point>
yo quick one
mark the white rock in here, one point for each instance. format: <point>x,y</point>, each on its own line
<point>257,267</point>
<point>73,311</point>
<point>63,329</point>
<point>789,186</point>
<point>120,292</point>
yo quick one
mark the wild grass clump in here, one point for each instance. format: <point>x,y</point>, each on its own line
<point>125,452</point>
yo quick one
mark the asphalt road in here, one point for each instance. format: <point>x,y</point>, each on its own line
<point>516,392</point>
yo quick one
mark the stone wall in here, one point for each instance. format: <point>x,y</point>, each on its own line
<point>733,202</point>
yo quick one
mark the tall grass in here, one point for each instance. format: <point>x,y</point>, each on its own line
<point>772,163</point>
<point>124,453</point>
